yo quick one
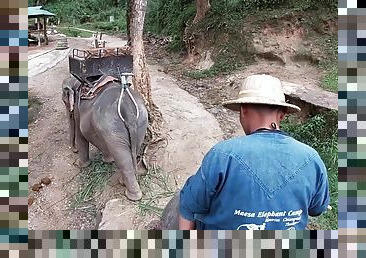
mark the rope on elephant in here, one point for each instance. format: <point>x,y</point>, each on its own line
<point>125,86</point>
<point>120,103</point>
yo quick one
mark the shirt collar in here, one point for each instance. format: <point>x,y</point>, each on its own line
<point>263,130</point>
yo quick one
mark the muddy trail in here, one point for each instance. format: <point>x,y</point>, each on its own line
<point>53,205</point>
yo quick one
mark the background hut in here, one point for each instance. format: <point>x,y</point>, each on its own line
<point>40,26</point>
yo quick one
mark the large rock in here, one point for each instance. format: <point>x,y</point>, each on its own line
<point>117,216</point>
<point>313,95</point>
<point>206,61</point>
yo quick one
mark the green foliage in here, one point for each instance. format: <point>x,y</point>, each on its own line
<point>330,80</point>
<point>92,12</point>
<point>232,6</point>
<point>169,18</point>
<point>329,45</point>
<point>119,25</point>
<point>155,185</point>
<point>320,132</point>
<point>93,181</point>
<point>70,32</point>
<point>303,5</point>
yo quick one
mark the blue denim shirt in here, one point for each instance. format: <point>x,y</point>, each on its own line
<point>266,180</point>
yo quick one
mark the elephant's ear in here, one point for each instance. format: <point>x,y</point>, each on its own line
<point>68,97</point>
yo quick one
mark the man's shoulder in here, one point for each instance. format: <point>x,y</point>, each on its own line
<point>297,145</point>
<point>230,146</point>
<point>244,143</point>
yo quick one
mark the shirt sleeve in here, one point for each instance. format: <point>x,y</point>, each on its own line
<point>198,191</point>
<point>320,200</point>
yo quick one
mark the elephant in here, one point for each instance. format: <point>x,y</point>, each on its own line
<point>170,216</point>
<point>96,121</point>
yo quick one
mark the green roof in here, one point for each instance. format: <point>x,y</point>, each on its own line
<point>37,11</point>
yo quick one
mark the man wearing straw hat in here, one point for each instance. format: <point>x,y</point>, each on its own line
<point>264,180</point>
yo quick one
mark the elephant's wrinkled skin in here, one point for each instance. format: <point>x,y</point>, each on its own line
<point>97,121</point>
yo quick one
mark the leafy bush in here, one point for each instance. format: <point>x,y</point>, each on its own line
<point>330,64</point>
<point>320,132</point>
<point>70,32</point>
<point>330,80</point>
<point>170,18</point>
<point>94,12</point>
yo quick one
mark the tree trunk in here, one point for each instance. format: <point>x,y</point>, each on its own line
<point>45,30</point>
<point>39,31</point>
<point>141,80</point>
<point>202,6</point>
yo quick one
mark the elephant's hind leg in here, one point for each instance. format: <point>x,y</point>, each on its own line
<point>72,133</point>
<point>127,176</point>
<point>107,156</point>
<point>83,148</point>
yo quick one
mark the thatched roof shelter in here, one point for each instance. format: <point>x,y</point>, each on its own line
<point>38,13</point>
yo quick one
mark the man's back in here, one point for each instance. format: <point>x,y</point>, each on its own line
<point>266,180</point>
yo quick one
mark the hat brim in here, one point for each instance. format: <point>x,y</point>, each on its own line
<point>236,104</point>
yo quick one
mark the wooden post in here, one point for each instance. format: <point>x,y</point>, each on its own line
<point>45,30</point>
<point>39,32</point>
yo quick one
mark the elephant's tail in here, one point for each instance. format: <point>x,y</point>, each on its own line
<point>132,129</point>
<point>131,125</point>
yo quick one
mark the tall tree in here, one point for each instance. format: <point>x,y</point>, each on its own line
<point>202,7</point>
<point>141,79</point>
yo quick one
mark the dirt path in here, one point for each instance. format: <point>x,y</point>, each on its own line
<point>49,153</point>
<point>191,132</point>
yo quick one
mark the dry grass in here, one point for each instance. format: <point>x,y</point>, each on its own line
<point>156,186</point>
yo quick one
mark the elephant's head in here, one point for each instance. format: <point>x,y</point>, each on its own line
<point>68,97</point>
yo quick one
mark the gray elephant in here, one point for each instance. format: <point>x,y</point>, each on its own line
<point>97,121</point>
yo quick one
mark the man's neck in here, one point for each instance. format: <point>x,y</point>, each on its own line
<point>269,124</point>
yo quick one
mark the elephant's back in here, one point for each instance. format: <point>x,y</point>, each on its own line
<point>106,105</point>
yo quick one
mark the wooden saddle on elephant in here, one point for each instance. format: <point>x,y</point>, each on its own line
<point>88,91</point>
<point>95,68</point>
<point>89,65</point>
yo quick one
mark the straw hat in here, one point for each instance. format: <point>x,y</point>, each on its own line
<point>261,89</point>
